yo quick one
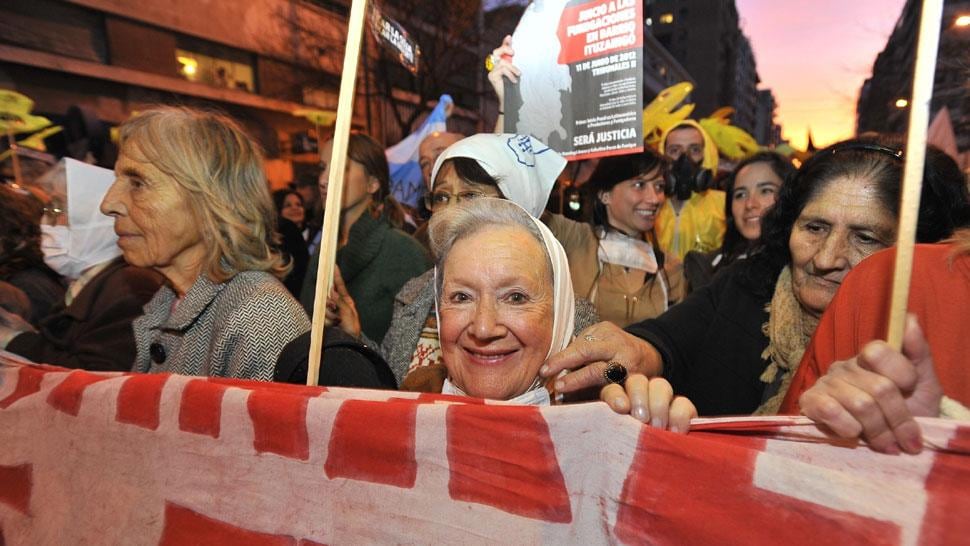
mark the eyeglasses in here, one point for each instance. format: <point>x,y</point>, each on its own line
<point>441,199</point>
<point>53,214</point>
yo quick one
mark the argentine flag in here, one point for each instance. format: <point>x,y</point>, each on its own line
<point>407,185</point>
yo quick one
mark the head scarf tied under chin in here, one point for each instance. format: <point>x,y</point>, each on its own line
<point>526,168</point>
<point>89,238</point>
<point>563,303</point>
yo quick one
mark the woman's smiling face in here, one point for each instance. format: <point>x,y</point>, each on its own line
<point>755,191</point>
<point>496,312</point>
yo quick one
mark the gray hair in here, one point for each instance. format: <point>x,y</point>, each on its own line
<point>220,168</point>
<point>458,222</point>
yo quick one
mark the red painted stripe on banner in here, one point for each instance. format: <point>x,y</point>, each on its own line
<point>16,484</point>
<point>200,410</point>
<point>67,396</point>
<point>949,502</point>
<point>374,442</point>
<point>185,526</point>
<point>431,398</point>
<point>139,399</point>
<point>504,457</point>
<point>28,382</point>
<point>661,506</point>
<point>284,388</point>
<point>279,423</point>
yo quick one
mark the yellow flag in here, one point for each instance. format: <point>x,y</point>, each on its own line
<point>15,114</point>
<point>317,117</point>
<point>733,142</point>
<point>662,112</point>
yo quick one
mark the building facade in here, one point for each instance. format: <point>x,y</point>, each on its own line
<point>766,131</point>
<point>257,61</point>
<point>705,38</point>
<point>883,105</point>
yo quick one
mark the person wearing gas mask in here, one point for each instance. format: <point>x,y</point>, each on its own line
<point>90,328</point>
<point>693,216</point>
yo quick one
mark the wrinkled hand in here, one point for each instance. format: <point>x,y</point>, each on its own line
<point>502,57</point>
<point>876,394</point>
<point>12,325</point>
<point>589,354</point>
<point>650,401</point>
<point>341,309</point>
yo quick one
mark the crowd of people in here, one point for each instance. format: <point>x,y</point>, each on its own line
<point>688,292</point>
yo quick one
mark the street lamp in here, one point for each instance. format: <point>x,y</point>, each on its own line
<point>902,103</point>
<point>962,21</point>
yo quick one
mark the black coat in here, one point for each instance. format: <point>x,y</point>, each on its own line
<point>346,363</point>
<point>94,332</point>
<point>711,345</point>
<point>295,248</point>
<point>43,287</point>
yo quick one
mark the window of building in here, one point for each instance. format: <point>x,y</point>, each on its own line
<point>215,64</point>
<point>214,71</point>
<point>666,18</point>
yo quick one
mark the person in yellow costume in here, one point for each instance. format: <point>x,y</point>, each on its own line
<point>692,218</point>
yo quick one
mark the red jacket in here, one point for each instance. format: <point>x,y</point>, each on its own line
<point>939,296</point>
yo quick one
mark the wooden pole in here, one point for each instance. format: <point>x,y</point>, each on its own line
<point>12,142</point>
<point>331,214</point>
<point>919,116</point>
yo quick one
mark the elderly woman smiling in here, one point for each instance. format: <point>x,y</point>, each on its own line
<point>191,201</point>
<point>504,300</point>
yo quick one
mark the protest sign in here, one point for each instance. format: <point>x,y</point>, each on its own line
<point>393,38</point>
<point>581,90</point>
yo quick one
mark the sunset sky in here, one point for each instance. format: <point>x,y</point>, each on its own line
<point>815,55</point>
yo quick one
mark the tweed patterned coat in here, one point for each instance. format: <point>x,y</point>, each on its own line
<point>232,329</point>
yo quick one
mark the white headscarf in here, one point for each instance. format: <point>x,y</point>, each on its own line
<point>88,239</point>
<point>564,300</point>
<point>563,306</point>
<point>526,169</point>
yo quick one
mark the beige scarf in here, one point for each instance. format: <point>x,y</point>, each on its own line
<point>789,329</point>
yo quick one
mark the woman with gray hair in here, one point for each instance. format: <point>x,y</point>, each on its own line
<point>505,303</point>
<point>514,167</point>
<point>191,201</point>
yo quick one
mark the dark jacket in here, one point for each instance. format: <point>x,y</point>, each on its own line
<point>375,263</point>
<point>295,249</point>
<point>44,288</point>
<point>711,345</point>
<point>94,332</point>
<point>346,363</point>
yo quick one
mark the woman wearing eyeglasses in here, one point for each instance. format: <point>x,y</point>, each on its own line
<point>514,167</point>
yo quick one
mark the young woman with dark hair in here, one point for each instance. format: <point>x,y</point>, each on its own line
<point>614,261</point>
<point>751,190</point>
<point>375,258</point>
